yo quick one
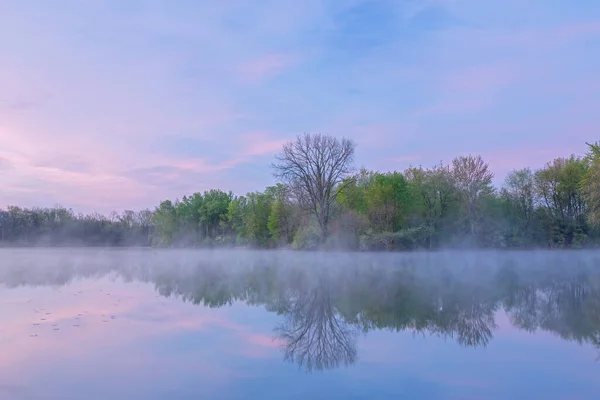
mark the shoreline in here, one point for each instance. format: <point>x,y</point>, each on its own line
<point>289,249</point>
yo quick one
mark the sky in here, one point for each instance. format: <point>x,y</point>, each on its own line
<point>119,104</point>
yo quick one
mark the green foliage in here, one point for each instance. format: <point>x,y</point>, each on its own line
<point>387,196</point>
<point>165,224</point>
<point>213,211</point>
<point>405,239</point>
<point>590,184</point>
<point>283,218</point>
<point>258,208</point>
<point>384,198</point>
<point>442,206</point>
<point>473,181</point>
<point>274,221</point>
<point>235,215</point>
<point>558,186</point>
<point>307,237</point>
<point>434,199</point>
<point>517,202</point>
<point>352,195</point>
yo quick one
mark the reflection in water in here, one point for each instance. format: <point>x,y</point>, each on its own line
<point>325,300</point>
<point>316,336</point>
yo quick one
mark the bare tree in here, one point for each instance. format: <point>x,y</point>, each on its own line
<point>315,166</point>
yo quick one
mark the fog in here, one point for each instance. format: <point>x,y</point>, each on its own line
<point>328,299</point>
<point>39,265</point>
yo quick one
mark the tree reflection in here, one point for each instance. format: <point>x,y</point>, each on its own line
<point>315,334</point>
<point>474,325</point>
<point>325,304</point>
<point>571,310</point>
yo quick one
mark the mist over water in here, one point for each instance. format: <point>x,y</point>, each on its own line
<point>147,323</point>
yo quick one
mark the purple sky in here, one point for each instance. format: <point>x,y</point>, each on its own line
<point>119,104</point>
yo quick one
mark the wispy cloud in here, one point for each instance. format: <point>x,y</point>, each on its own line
<point>479,79</point>
<point>266,66</point>
<point>260,144</point>
<point>141,103</point>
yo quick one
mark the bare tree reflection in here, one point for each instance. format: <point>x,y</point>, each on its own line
<point>324,305</point>
<point>475,325</point>
<point>316,336</point>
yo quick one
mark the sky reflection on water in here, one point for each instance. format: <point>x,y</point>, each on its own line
<point>150,324</point>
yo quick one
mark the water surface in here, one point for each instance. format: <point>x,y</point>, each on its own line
<point>167,324</point>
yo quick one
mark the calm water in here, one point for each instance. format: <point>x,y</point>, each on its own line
<point>149,324</point>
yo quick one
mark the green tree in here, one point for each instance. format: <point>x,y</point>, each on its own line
<point>558,186</point>
<point>283,220</point>
<point>235,216</point>
<point>213,211</point>
<point>352,194</point>
<point>434,195</point>
<point>473,180</point>
<point>165,221</point>
<point>590,184</point>
<point>387,198</point>
<point>518,199</point>
<point>256,218</point>
<point>188,219</point>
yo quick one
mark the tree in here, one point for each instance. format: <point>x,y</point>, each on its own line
<point>518,198</point>
<point>213,210</point>
<point>558,186</point>
<point>258,208</point>
<point>435,192</point>
<point>235,215</point>
<point>314,167</point>
<point>282,222</point>
<point>164,220</point>
<point>473,180</point>
<point>387,199</point>
<point>188,218</point>
<point>590,184</point>
<point>323,205</point>
<point>353,194</point>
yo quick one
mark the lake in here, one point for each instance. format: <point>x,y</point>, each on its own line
<point>190,324</point>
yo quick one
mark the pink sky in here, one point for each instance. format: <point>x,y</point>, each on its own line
<point>104,107</point>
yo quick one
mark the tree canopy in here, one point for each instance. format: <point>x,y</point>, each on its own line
<point>320,201</point>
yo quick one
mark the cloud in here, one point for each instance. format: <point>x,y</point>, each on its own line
<point>264,341</point>
<point>177,171</point>
<point>22,105</point>
<point>5,164</point>
<point>479,79</point>
<point>142,321</point>
<point>266,66</point>
<point>260,144</point>
<point>145,102</point>
<point>75,164</point>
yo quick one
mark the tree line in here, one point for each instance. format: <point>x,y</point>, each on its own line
<point>61,226</point>
<point>321,201</point>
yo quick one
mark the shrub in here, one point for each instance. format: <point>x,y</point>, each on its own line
<point>307,238</point>
<point>405,239</point>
